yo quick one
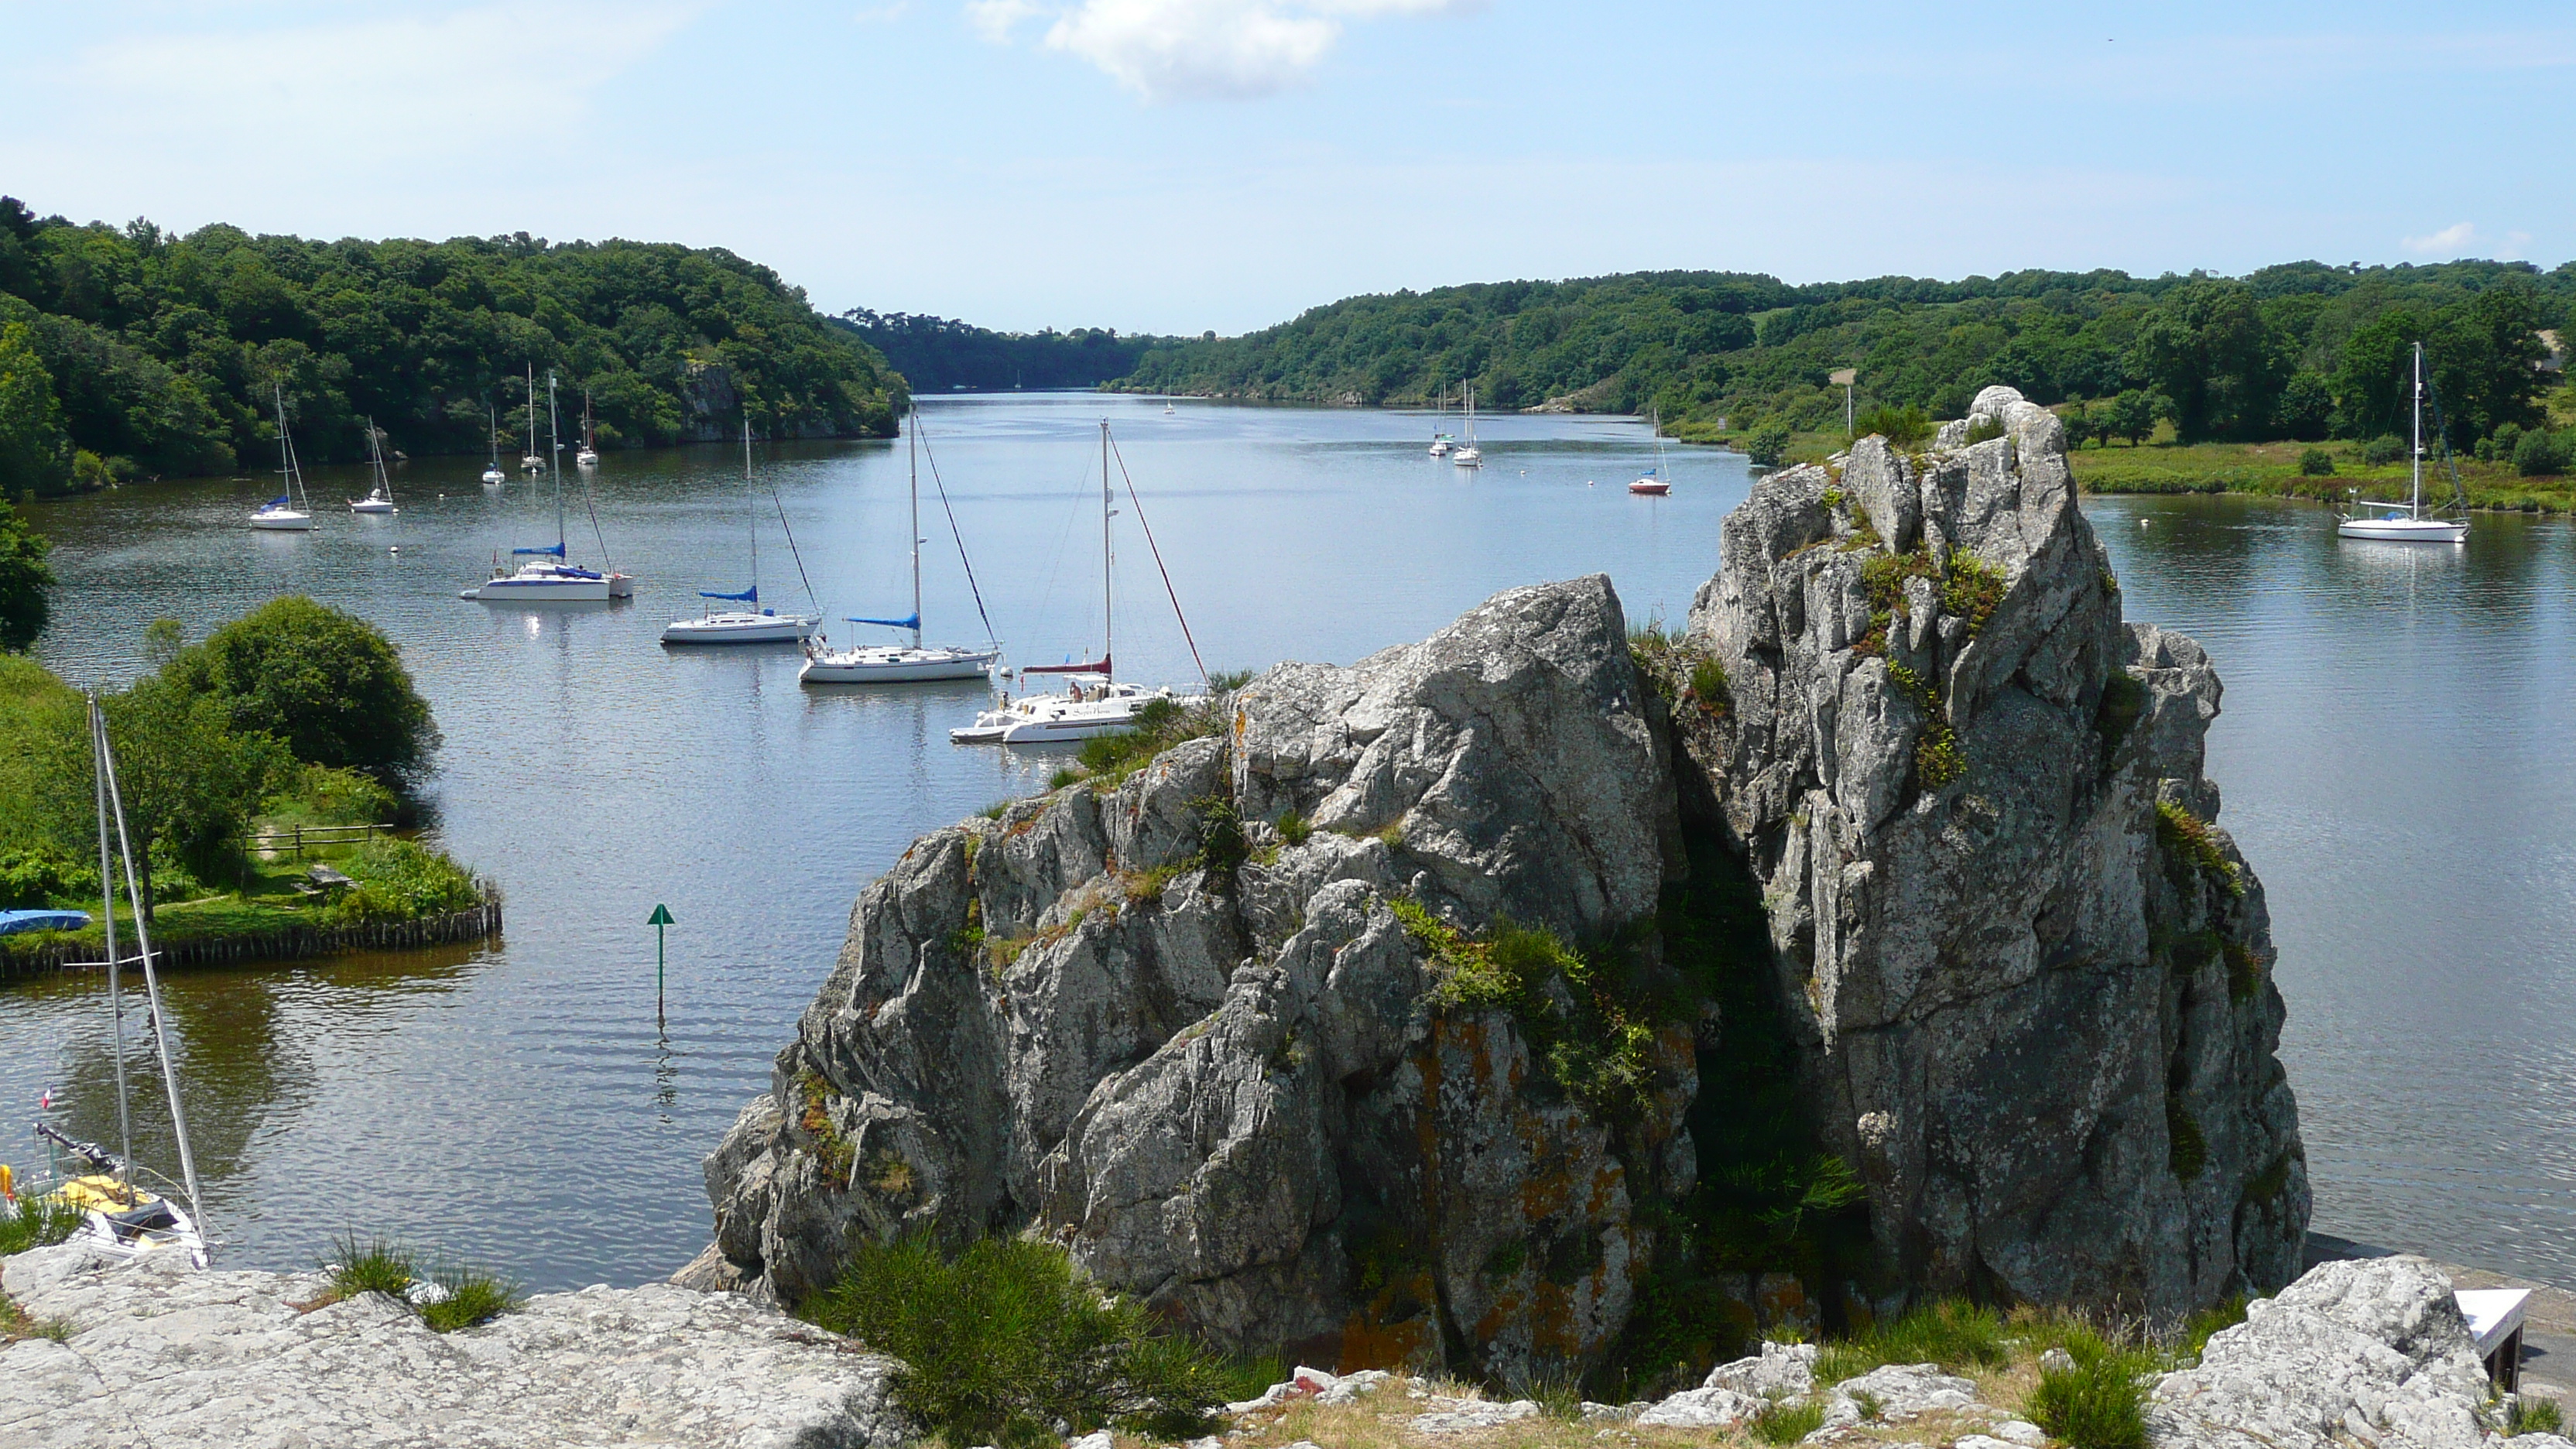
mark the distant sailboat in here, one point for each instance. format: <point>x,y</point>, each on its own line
<point>380,498</point>
<point>2411,522</point>
<point>752,624</point>
<point>492,477</point>
<point>290,511</point>
<point>588,457</point>
<point>529,459</point>
<point>1441,446</point>
<point>893,664</point>
<point>1656,482</point>
<point>1469,455</point>
<point>549,577</point>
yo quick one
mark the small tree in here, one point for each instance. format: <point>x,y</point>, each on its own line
<point>327,684</point>
<point>2539,454</point>
<point>24,576</point>
<point>2131,415</point>
<point>1767,443</point>
<point>2080,425</point>
<point>1902,427</point>
<point>2316,463</point>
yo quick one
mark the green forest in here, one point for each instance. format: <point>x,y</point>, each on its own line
<point>2302,351</point>
<point>128,352</point>
<point>939,355</point>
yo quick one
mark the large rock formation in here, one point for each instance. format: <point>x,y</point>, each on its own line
<point>1215,1063</point>
<point>1262,1033</point>
<point>2033,981</point>
<point>154,1354</point>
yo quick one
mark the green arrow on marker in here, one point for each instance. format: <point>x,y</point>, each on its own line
<point>660,918</point>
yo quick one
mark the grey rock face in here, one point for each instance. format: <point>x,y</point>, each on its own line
<point>2371,1352</point>
<point>226,1360</point>
<point>1231,1090</point>
<point>2043,1034</point>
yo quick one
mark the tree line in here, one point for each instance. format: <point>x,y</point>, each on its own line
<point>936,354</point>
<point>130,352</point>
<point>2300,351</point>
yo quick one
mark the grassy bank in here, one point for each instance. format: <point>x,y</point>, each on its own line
<point>2162,465</point>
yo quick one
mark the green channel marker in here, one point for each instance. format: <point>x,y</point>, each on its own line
<point>660,919</point>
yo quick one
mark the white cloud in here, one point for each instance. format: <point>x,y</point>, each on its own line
<point>2455,237</point>
<point>1197,49</point>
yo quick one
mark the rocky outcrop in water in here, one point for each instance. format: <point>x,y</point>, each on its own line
<point>154,1354</point>
<point>2031,978</point>
<point>1284,1033</point>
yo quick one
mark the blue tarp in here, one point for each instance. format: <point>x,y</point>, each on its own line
<point>555,549</point>
<point>912,623</point>
<point>12,922</point>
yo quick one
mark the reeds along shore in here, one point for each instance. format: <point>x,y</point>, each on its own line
<point>292,943</point>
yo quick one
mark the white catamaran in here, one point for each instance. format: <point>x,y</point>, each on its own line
<point>292,510</point>
<point>380,498</point>
<point>751,624</point>
<point>913,663</point>
<point>1085,709</point>
<point>118,1217</point>
<point>2411,521</point>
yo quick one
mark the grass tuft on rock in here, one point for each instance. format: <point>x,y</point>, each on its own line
<point>1957,1335</point>
<point>2100,1400</point>
<point>370,1265</point>
<point>2198,1329</point>
<point>447,1297</point>
<point>2530,1415</point>
<point>2189,839</point>
<point>17,1323</point>
<point>40,1222</point>
<point>1002,1340</point>
<point>470,1297</point>
<point>1787,1423</point>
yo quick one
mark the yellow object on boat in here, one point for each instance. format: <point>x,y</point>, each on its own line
<point>103,1193</point>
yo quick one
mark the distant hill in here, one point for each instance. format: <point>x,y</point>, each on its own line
<point>937,355</point>
<point>2296,351</point>
<point>127,351</point>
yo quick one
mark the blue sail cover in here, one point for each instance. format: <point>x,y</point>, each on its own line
<point>278,502</point>
<point>555,549</point>
<point>748,596</point>
<point>912,623</point>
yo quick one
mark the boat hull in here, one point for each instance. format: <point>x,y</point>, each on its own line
<point>2404,530</point>
<point>539,591</point>
<point>369,506</point>
<point>1650,490</point>
<point>897,666</point>
<point>283,522</point>
<point>740,629</point>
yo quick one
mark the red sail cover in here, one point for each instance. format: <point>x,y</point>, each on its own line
<point>1101,668</point>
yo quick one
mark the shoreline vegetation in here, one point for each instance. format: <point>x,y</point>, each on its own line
<point>265,772</point>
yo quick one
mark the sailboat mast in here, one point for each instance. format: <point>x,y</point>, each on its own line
<point>151,979</point>
<point>285,459</point>
<point>2416,461</point>
<point>554,451</point>
<point>1108,651</point>
<point>754,515</point>
<point>532,410</point>
<point>115,1003</point>
<point>912,446</point>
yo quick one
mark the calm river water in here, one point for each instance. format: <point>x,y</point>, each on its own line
<point>2394,753</point>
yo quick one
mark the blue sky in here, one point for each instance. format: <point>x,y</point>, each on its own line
<point>1181,165</point>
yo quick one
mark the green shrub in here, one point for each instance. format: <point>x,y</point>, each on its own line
<point>2316,463</point>
<point>328,795</point>
<point>399,880</point>
<point>1160,724</point>
<point>2188,838</point>
<point>2098,1403</point>
<point>1903,428</point>
<point>1955,1334</point>
<point>2532,1415</point>
<point>2385,449</point>
<point>2540,454</point>
<point>1787,1423</point>
<point>1294,828</point>
<point>40,1222</point>
<point>1708,685</point>
<point>1971,589</point>
<point>2244,972</point>
<point>1227,681</point>
<point>1007,1337</point>
<point>33,879</point>
<point>1767,443</point>
<point>1984,430</point>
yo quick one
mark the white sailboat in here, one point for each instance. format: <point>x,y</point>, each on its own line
<point>380,498</point>
<point>752,624</point>
<point>529,461</point>
<point>120,1218</point>
<point>292,510</point>
<point>548,576</point>
<point>901,664</point>
<point>1469,455</point>
<point>1656,482</point>
<point>1085,709</point>
<point>2411,522</point>
<point>588,457</point>
<point>492,476</point>
<point>1441,445</point>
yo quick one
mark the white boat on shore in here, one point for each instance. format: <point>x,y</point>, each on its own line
<point>2411,521</point>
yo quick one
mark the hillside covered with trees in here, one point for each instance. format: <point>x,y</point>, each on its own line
<point>2302,351</point>
<point>939,355</point>
<point>130,352</point>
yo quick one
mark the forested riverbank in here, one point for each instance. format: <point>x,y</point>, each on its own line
<point>129,352</point>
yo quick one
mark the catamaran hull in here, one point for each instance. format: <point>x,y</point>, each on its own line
<point>2404,530</point>
<point>539,591</point>
<point>960,664</point>
<point>621,586</point>
<point>766,629</point>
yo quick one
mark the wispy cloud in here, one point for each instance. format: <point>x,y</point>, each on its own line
<point>1167,50</point>
<point>2458,236</point>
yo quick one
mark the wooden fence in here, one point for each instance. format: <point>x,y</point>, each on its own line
<point>290,943</point>
<point>302,837</point>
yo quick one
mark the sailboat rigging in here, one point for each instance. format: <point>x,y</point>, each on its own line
<point>1467,454</point>
<point>291,510</point>
<point>2411,521</point>
<point>529,460</point>
<point>1656,482</point>
<point>549,576</point>
<point>588,457</point>
<point>492,477</point>
<point>894,664</point>
<point>751,624</point>
<point>1441,445</point>
<point>1084,710</point>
